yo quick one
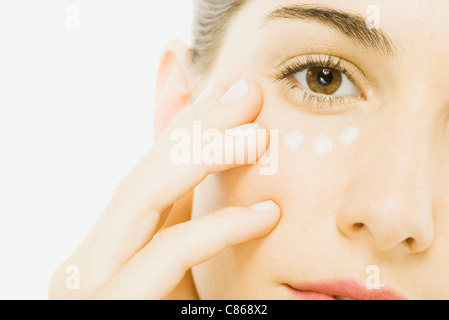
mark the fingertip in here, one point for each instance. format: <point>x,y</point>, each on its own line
<point>269,207</point>
<point>245,91</point>
<point>238,91</point>
<point>211,92</point>
<point>255,90</point>
<point>250,107</point>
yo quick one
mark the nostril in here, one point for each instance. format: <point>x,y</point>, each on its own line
<point>409,241</point>
<point>358,226</point>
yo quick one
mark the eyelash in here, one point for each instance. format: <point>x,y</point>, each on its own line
<point>310,98</point>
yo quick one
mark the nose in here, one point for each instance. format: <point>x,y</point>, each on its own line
<point>389,199</point>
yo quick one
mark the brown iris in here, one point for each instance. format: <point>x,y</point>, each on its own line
<point>323,80</point>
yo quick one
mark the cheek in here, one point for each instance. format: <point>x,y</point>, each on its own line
<point>305,188</point>
<point>306,167</point>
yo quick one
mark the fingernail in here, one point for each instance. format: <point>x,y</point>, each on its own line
<point>246,130</point>
<point>206,94</point>
<point>264,206</point>
<point>237,92</point>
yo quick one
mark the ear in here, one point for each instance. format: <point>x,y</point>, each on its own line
<point>172,84</point>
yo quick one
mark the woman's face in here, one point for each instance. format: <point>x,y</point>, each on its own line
<point>361,110</point>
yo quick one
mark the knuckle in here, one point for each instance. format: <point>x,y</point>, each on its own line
<point>125,182</point>
<point>124,189</point>
<point>169,241</point>
<point>164,239</point>
<point>124,186</point>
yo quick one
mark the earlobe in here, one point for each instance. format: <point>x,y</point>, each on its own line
<point>172,85</point>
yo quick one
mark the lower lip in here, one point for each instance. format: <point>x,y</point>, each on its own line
<point>309,295</point>
<point>342,287</point>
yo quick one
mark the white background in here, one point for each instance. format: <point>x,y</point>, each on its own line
<point>76,113</point>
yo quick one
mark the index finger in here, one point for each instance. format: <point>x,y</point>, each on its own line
<point>156,270</point>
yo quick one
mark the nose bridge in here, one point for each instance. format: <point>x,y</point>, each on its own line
<point>391,194</point>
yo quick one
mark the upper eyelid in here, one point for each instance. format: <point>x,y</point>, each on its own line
<point>327,54</point>
<point>317,59</point>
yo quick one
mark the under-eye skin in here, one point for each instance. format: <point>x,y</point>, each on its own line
<point>323,82</point>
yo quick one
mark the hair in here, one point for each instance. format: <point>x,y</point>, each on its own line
<point>211,19</point>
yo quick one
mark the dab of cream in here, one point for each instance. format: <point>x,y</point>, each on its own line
<point>293,140</point>
<point>349,135</point>
<point>323,144</point>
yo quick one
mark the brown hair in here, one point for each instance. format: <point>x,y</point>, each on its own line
<point>211,18</point>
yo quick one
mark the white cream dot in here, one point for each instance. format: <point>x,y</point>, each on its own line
<point>349,135</point>
<point>293,140</point>
<point>323,144</point>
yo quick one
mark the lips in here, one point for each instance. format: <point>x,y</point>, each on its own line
<point>342,289</point>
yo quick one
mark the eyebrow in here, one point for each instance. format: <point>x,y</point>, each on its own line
<point>351,25</point>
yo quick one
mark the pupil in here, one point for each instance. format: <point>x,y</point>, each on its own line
<point>325,77</point>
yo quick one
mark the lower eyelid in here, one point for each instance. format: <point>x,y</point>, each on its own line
<point>318,103</point>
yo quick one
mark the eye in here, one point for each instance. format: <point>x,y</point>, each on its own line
<point>327,81</point>
<point>323,83</point>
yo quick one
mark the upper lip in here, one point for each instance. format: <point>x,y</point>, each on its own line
<point>351,288</point>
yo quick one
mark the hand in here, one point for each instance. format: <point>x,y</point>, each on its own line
<point>128,254</point>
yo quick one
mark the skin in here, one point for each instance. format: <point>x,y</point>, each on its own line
<point>381,201</point>
<point>394,179</point>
